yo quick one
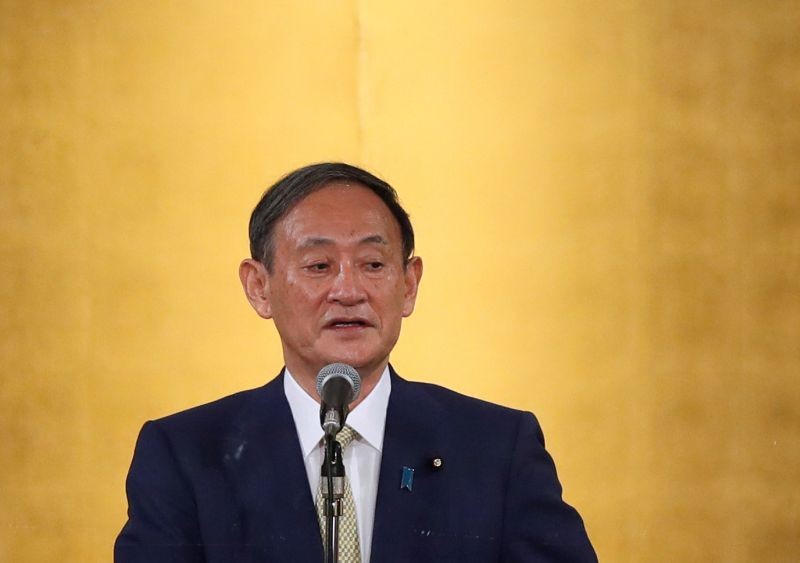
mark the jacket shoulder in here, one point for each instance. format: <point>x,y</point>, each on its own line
<point>455,401</point>
<point>223,414</point>
<point>460,415</point>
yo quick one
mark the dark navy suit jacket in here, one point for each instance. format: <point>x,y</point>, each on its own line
<point>225,482</point>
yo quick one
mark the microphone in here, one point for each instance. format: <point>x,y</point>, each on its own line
<point>338,385</point>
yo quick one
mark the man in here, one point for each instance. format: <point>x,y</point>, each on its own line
<point>433,475</point>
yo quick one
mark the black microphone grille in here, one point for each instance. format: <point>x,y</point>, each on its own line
<point>339,370</point>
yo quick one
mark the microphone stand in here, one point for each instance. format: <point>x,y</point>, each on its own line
<point>333,478</point>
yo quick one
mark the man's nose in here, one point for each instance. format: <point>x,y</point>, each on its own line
<point>347,288</point>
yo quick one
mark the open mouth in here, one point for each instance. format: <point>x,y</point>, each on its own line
<point>347,323</point>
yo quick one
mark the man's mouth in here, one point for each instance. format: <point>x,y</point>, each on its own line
<point>347,323</point>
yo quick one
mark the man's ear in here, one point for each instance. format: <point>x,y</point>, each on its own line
<point>255,282</point>
<point>412,276</point>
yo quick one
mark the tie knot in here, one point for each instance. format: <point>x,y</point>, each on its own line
<point>345,436</point>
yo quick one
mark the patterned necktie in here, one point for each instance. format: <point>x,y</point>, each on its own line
<point>349,550</point>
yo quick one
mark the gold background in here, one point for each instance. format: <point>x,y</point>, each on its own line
<point>606,194</point>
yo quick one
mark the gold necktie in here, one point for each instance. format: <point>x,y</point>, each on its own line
<point>349,550</point>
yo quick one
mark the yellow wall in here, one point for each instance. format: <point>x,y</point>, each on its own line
<point>607,195</point>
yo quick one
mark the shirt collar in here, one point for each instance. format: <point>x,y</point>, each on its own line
<point>368,418</point>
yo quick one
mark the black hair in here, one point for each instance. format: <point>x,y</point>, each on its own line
<point>287,192</point>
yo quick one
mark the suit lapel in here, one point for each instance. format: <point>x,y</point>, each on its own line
<point>265,466</point>
<point>412,439</point>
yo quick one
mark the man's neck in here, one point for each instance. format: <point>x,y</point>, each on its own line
<point>308,381</point>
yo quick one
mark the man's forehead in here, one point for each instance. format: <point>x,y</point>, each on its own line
<point>337,212</point>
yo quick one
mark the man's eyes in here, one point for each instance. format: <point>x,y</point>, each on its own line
<point>321,267</point>
<point>318,267</point>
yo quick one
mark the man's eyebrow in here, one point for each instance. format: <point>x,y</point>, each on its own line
<point>312,242</point>
<point>374,239</point>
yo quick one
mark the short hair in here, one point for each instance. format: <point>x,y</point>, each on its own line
<point>287,192</point>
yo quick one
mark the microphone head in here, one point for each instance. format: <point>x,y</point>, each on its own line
<point>343,371</point>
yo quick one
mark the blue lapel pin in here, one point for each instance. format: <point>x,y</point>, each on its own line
<point>407,480</point>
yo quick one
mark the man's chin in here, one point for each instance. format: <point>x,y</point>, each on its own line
<point>365,364</point>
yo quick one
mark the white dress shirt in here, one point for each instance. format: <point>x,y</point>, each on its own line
<point>362,458</point>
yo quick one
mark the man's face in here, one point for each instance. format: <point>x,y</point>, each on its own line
<point>338,289</point>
